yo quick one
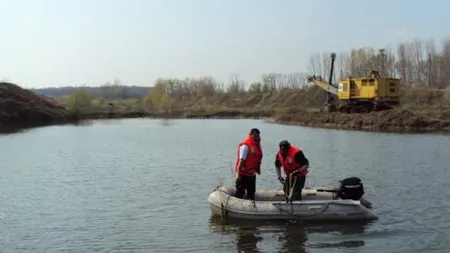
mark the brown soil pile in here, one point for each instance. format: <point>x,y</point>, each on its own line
<point>421,110</point>
<point>23,108</point>
<point>385,121</point>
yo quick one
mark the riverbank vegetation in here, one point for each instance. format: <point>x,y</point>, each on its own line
<point>423,66</point>
<point>287,98</point>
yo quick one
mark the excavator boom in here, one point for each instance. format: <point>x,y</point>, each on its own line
<point>324,85</point>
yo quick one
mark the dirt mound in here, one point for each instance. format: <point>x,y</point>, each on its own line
<point>301,97</point>
<point>21,108</point>
<point>386,121</point>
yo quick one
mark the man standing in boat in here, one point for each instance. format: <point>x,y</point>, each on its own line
<point>248,164</point>
<point>295,166</point>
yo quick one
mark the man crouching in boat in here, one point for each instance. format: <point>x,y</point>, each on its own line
<point>295,166</point>
<point>248,163</point>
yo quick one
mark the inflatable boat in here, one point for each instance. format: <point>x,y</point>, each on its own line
<point>343,203</point>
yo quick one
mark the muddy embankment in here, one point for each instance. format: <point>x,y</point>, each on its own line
<point>420,110</point>
<point>20,108</point>
<point>384,121</point>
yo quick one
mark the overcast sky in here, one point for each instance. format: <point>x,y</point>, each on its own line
<point>60,42</point>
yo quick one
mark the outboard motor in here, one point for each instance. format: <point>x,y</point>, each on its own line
<point>351,188</point>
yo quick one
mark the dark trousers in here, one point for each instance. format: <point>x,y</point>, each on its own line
<point>246,183</point>
<point>298,187</point>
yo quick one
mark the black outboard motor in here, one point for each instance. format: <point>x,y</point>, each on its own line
<point>351,188</point>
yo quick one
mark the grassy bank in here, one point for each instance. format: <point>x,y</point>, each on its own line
<point>421,110</point>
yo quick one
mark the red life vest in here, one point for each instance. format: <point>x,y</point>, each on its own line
<point>290,164</point>
<point>254,157</point>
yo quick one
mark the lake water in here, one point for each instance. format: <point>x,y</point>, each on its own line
<point>137,185</point>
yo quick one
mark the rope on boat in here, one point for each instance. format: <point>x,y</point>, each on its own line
<point>291,186</point>
<point>223,205</point>
<point>289,198</point>
<point>287,195</point>
<point>279,189</point>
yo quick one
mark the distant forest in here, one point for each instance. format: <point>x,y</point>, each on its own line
<point>417,62</point>
<point>106,91</point>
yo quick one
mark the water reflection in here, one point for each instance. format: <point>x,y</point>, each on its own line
<point>108,121</point>
<point>291,236</point>
<point>4,130</point>
<point>350,234</point>
<point>165,122</point>
<point>27,127</point>
<point>82,123</point>
<point>247,238</point>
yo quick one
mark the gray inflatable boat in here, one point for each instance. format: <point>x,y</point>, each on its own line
<point>316,204</point>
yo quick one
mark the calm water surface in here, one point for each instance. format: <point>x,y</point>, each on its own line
<point>140,186</point>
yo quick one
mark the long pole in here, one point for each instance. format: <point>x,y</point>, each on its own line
<point>382,72</point>
<point>330,79</point>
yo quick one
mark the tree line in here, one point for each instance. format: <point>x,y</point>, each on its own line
<point>418,62</point>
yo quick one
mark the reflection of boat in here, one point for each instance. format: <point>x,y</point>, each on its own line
<point>247,235</point>
<point>292,237</point>
<point>316,204</point>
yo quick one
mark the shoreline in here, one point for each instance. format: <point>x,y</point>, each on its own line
<point>366,129</point>
<point>379,122</point>
<point>10,128</point>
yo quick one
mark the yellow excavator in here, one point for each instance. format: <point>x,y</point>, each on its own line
<point>359,94</point>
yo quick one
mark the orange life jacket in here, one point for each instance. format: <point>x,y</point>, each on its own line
<point>254,157</point>
<point>290,164</point>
